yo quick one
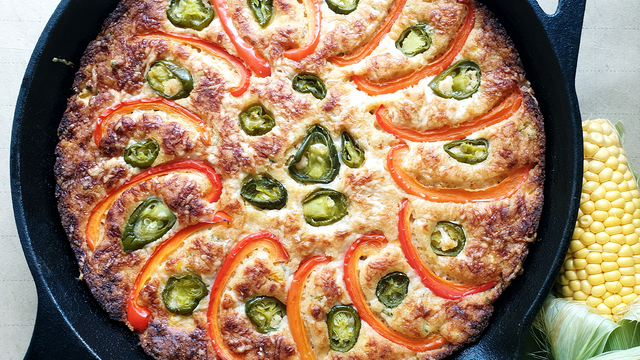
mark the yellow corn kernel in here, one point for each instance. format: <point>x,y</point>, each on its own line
<point>627,270</point>
<point>600,192</point>
<point>618,203</point>
<point>636,246</point>
<point>589,176</point>
<point>587,207</point>
<point>594,301</point>
<point>593,269</point>
<point>632,239</point>
<point>568,264</point>
<point>609,256</point>
<point>636,289</point>
<point>577,245</point>
<point>585,221</point>
<point>613,286</point>
<point>614,150</point>
<point>577,232</point>
<point>581,274</point>
<point>596,166</point>
<point>574,285</point>
<point>580,296</point>
<point>585,287</point>
<point>613,229</point>
<point>626,290</point>
<point>581,255</point>
<point>596,280</point>
<point>609,266</point>
<point>592,126</point>
<point>598,290</point>
<point>617,212</point>
<point>599,215</point>
<point>566,292</point>
<point>622,186</point>
<point>627,299</point>
<point>625,251</point>
<point>617,177</point>
<point>570,275</point>
<point>625,261</point>
<point>604,309</point>
<point>611,247</point>
<point>619,308</point>
<point>589,186</point>
<point>602,238</point>
<point>612,162</point>
<point>628,229</point>
<point>618,239</point>
<point>588,238</point>
<point>602,154</point>
<point>606,174</point>
<point>611,276</point>
<point>594,258</point>
<point>629,281</point>
<point>613,301</point>
<point>626,219</point>
<point>590,149</point>
<point>597,227</point>
<point>611,221</point>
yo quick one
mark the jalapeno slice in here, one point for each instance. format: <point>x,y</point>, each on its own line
<point>414,40</point>
<point>148,222</point>
<point>142,154</point>
<point>262,11</point>
<point>468,151</point>
<point>265,312</point>
<point>343,323</point>
<point>324,207</point>
<point>309,83</point>
<point>392,289</point>
<point>182,293</point>
<point>317,159</point>
<point>448,239</point>
<point>169,80</point>
<point>458,81</point>
<point>256,121</point>
<point>342,7</point>
<point>191,14</point>
<point>352,155</point>
<point>264,192</point>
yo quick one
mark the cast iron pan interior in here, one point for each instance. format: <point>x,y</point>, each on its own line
<point>71,325</point>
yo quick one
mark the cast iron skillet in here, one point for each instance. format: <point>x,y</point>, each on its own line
<point>71,325</point>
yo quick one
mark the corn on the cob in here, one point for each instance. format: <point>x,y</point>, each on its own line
<point>602,267</point>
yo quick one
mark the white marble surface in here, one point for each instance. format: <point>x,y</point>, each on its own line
<point>607,83</point>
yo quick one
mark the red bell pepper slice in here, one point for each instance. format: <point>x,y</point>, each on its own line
<point>366,49</point>
<point>503,190</point>
<point>256,62</point>
<point>137,316</point>
<point>294,312</point>
<point>440,287</point>
<point>315,23</point>
<point>365,245</point>
<point>211,48</point>
<point>503,111</point>
<point>243,248</point>
<point>92,233</point>
<point>160,104</point>
<point>437,66</point>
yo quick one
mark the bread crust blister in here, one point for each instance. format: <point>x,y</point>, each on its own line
<point>113,69</point>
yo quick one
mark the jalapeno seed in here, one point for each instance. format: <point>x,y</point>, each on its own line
<point>317,159</point>
<point>458,81</point>
<point>182,294</point>
<point>142,154</point>
<point>169,80</point>
<point>266,313</point>
<point>148,222</point>
<point>448,239</point>
<point>191,14</point>
<point>468,151</point>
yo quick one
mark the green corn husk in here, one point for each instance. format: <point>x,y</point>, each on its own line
<point>574,331</point>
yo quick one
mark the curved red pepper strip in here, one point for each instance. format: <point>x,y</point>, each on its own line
<point>503,111</point>
<point>160,104</point>
<point>503,190</point>
<point>294,312</point>
<point>366,49</point>
<point>315,23</point>
<point>362,246</point>
<point>439,286</point>
<point>437,66</point>
<point>243,248</point>
<point>137,316</point>
<point>211,48</point>
<point>256,62</point>
<point>92,233</point>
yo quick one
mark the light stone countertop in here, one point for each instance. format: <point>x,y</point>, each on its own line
<point>607,83</point>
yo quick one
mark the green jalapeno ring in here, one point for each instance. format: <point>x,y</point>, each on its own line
<point>465,80</point>
<point>449,233</point>
<point>142,154</point>
<point>182,294</point>
<point>166,73</point>
<point>191,14</point>
<point>342,7</point>
<point>414,40</point>
<point>262,11</point>
<point>352,155</point>
<point>324,207</point>
<point>256,121</point>
<point>266,313</point>
<point>309,83</point>
<point>343,325</point>
<point>392,289</point>
<point>317,160</point>
<point>468,151</point>
<point>264,192</point>
<point>148,222</point>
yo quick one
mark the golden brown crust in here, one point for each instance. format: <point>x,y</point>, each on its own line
<point>113,69</point>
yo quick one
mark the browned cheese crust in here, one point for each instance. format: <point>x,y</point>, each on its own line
<point>497,232</point>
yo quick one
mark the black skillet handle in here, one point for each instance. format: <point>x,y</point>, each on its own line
<point>564,29</point>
